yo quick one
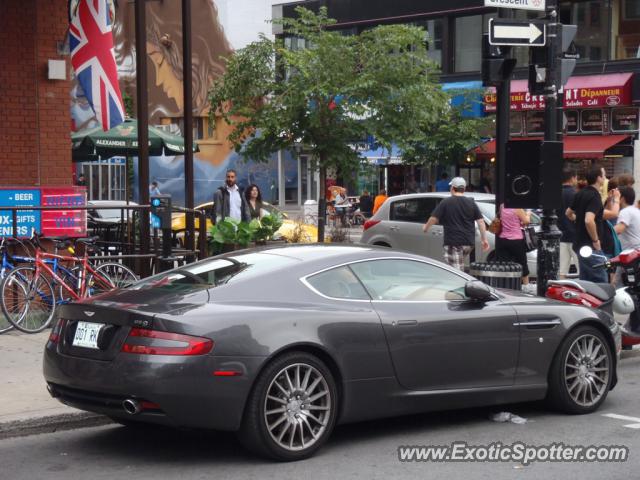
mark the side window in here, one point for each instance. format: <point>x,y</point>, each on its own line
<point>408,280</point>
<point>415,210</point>
<point>338,283</point>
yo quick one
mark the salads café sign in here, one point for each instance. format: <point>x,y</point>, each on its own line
<point>589,97</point>
<point>517,4</point>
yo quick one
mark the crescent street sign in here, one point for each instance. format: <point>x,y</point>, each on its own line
<point>517,4</point>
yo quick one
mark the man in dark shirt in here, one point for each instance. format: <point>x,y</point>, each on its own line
<point>457,214</point>
<point>566,226</point>
<point>586,211</point>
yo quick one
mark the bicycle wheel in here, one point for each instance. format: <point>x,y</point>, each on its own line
<point>28,302</point>
<point>5,325</point>
<point>116,274</point>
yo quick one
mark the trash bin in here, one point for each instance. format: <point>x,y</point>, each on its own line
<point>310,212</point>
<point>498,274</point>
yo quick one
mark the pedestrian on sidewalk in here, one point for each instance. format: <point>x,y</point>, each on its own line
<point>229,201</point>
<point>566,226</point>
<point>628,226</point>
<point>457,215</point>
<point>253,196</point>
<point>379,200</point>
<point>587,211</point>
<point>366,204</point>
<point>153,188</point>
<point>510,244</point>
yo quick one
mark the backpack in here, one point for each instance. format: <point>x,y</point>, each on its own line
<point>610,242</point>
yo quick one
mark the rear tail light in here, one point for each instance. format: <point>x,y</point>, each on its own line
<point>56,332</point>
<point>154,342</point>
<point>370,223</point>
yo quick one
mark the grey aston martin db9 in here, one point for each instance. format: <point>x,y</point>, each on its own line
<point>280,344</point>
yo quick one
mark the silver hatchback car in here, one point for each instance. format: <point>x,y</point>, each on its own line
<point>399,221</point>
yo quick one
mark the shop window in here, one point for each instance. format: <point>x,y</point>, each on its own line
<point>625,29</point>
<point>571,121</point>
<point>433,33</point>
<point>592,121</point>
<point>468,47</point>
<point>535,123</point>
<point>515,123</point>
<point>592,19</point>
<point>624,119</point>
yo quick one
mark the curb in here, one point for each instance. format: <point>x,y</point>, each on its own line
<point>52,423</point>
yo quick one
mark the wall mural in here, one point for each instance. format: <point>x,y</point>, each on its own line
<point>164,69</point>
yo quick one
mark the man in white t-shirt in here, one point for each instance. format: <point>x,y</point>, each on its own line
<point>628,226</point>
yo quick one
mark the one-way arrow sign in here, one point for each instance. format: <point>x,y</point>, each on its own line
<point>513,32</point>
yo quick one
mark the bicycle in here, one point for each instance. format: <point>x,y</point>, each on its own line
<point>28,298</point>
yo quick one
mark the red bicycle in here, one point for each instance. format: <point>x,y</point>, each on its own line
<point>28,295</point>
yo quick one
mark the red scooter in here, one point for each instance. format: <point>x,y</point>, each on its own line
<point>623,301</point>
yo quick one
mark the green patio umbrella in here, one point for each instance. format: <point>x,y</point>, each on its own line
<point>122,141</point>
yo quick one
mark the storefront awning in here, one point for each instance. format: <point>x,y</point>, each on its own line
<point>589,91</point>
<point>576,146</point>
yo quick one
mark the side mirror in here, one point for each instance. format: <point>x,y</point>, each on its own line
<point>586,251</point>
<point>476,290</point>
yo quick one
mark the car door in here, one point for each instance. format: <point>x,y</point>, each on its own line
<point>439,339</point>
<point>406,219</point>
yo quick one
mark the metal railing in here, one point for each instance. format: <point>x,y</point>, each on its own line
<point>127,245</point>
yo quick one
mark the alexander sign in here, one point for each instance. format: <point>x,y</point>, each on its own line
<point>607,94</point>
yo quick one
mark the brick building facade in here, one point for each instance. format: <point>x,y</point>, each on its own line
<point>34,111</point>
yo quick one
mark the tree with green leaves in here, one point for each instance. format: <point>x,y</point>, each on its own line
<point>334,92</point>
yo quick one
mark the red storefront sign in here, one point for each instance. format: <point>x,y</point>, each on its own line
<point>62,222</point>
<point>580,92</point>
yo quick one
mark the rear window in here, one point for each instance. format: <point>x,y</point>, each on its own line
<point>415,210</point>
<point>215,272</point>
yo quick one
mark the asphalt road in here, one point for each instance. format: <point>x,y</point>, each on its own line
<point>366,450</point>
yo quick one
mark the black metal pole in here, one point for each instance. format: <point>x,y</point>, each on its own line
<point>143,127</point>
<point>322,204</point>
<point>503,105</point>
<point>549,242</point>
<point>188,124</point>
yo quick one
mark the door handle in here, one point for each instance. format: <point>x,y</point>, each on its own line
<point>406,323</point>
<point>393,228</point>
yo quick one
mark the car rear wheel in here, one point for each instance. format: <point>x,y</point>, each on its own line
<point>292,408</point>
<point>581,372</point>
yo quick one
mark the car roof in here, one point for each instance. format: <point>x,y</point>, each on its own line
<point>316,257</point>
<point>486,197</point>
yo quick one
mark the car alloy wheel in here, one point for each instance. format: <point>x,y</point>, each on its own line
<point>582,371</point>
<point>297,407</point>
<point>587,370</point>
<point>292,408</point>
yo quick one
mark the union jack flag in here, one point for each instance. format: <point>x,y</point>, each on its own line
<point>93,59</point>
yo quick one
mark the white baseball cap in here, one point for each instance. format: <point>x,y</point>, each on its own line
<point>458,182</point>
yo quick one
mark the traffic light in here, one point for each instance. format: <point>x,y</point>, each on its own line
<point>565,64</point>
<point>496,67</point>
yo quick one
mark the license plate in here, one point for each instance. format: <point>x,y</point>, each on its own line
<point>87,335</point>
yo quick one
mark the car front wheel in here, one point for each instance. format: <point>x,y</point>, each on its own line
<point>581,373</point>
<point>292,408</point>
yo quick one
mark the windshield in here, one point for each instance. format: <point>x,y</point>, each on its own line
<point>488,210</point>
<point>215,272</point>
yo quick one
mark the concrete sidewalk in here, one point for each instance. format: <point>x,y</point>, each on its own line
<point>25,405</point>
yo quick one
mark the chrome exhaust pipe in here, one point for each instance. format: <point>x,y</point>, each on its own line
<point>131,406</point>
<point>52,391</point>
